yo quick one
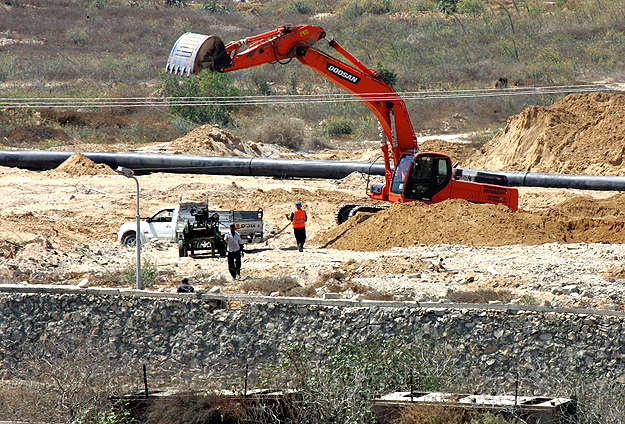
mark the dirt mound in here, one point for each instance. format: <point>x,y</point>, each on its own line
<point>211,140</point>
<point>582,134</point>
<point>79,164</point>
<point>276,199</point>
<point>459,152</point>
<point>460,222</point>
<point>358,182</point>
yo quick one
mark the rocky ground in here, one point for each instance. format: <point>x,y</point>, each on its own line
<point>562,248</point>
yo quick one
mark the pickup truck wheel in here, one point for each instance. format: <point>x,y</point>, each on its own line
<point>130,239</point>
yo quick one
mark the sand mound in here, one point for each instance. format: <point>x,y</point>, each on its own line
<point>278,198</point>
<point>459,152</point>
<point>211,140</point>
<point>582,134</point>
<point>81,165</point>
<point>358,182</point>
<point>460,222</point>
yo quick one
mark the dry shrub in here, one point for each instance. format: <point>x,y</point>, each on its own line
<point>285,131</point>
<point>479,296</point>
<point>432,414</point>
<point>337,281</point>
<point>331,278</point>
<point>614,273</point>
<point>435,414</point>
<point>284,285</point>
<point>58,382</point>
<point>195,408</point>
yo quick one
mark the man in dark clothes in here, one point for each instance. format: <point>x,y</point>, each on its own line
<point>185,287</point>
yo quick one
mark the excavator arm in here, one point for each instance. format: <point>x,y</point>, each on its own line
<point>414,175</point>
<point>194,52</point>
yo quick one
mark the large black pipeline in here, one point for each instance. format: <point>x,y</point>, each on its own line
<point>144,163</point>
<point>536,179</point>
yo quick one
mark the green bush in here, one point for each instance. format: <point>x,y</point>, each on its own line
<point>338,384</point>
<point>149,273</point>
<point>302,7</point>
<point>339,126</point>
<point>387,75</point>
<point>111,416</point>
<point>215,7</point>
<point>263,87</point>
<point>489,418</point>
<point>215,85</point>
<point>447,6</point>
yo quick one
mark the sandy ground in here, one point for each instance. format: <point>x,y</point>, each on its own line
<point>562,248</point>
<point>61,228</point>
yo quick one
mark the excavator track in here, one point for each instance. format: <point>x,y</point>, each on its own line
<point>347,210</point>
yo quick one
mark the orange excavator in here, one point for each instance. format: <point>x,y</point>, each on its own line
<point>414,175</point>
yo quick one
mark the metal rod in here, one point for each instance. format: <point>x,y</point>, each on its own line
<point>516,390</point>
<point>145,380</point>
<point>245,381</point>
<point>138,238</point>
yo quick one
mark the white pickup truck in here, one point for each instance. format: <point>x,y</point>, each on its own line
<point>168,222</point>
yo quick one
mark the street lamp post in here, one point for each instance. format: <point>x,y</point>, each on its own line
<point>127,172</point>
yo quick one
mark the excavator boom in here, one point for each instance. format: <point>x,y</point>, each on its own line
<point>194,52</point>
<point>414,175</point>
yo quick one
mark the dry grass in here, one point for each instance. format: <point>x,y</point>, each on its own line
<point>195,408</point>
<point>480,296</point>
<point>338,281</point>
<point>431,414</point>
<point>119,48</point>
<point>284,285</point>
<point>428,414</point>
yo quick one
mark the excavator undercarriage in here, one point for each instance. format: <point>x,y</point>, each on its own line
<point>347,210</point>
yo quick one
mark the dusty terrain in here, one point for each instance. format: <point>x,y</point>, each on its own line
<point>563,247</point>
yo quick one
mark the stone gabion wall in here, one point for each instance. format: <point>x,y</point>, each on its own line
<point>202,334</point>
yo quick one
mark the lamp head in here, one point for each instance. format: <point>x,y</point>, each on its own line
<point>125,171</point>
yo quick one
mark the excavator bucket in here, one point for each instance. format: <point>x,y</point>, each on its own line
<point>194,52</point>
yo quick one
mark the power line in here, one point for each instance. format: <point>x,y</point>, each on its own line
<point>101,102</point>
<point>158,103</point>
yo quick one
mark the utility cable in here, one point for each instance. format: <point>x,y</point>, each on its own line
<point>68,102</point>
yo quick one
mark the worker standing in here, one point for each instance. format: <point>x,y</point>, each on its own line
<point>234,247</point>
<point>298,219</point>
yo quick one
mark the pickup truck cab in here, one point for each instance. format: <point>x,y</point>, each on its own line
<point>167,223</point>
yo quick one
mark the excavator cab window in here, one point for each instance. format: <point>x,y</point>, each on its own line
<point>429,174</point>
<point>401,172</point>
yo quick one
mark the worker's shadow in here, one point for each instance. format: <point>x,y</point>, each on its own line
<point>256,249</point>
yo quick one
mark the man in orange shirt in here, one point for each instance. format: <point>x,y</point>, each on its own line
<point>299,218</point>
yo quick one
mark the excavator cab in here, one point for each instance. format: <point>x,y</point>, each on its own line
<point>420,176</point>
